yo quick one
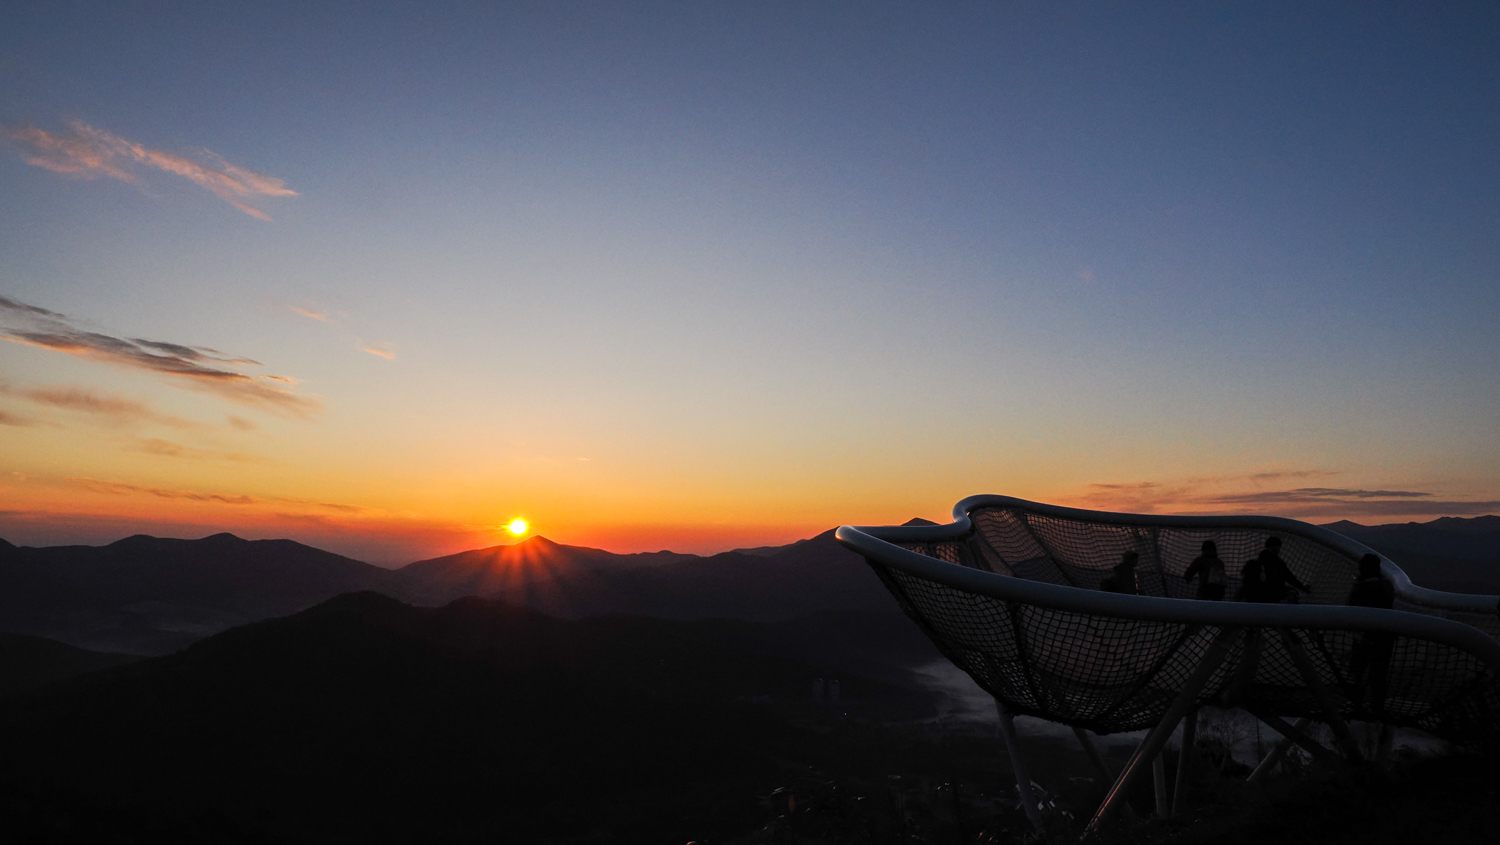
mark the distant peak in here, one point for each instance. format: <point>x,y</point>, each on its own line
<point>135,540</point>
<point>362,600</point>
<point>223,537</point>
<point>917,521</point>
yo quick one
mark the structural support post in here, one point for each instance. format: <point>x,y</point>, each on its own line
<point>1325,697</point>
<point>1093,754</point>
<point>1018,766</point>
<point>1269,762</point>
<point>1159,786</point>
<point>1156,739</point>
<point>1185,757</point>
<point>1297,735</point>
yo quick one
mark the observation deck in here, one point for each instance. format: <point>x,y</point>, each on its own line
<point>1010,593</point>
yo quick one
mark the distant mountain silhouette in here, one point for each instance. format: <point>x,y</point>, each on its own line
<point>809,576</point>
<point>148,595</point>
<point>1451,553</point>
<point>145,595</point>
<point>366,719</point>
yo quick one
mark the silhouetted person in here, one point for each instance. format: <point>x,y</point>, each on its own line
<point>1252,588</point>
<point>1278,578</point>
<point>1210,572</point>
<point>1121,579</point>
<point>1370,661</point>
<point>1252,581</point>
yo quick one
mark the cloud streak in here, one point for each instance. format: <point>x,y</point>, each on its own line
<point>309,313</point>
<point>117,409</point>
<point>199,367</point>
<point>169,449</point>
<point>118,488</point>
<point>7,418</point>
<point>1199,496</point>
<point>379,351</point>
<point>86,152</point>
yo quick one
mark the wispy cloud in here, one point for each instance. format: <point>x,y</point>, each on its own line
<point>119,488</point>
<point>169,449</point>
<point>7,418</point>
<point>87,152</point>
<point>1236,494</point>
<point>200,367</point>
<point>117,410</point>
<point>1310,494</point>
<point>340,324</point>
<point>320,316</point>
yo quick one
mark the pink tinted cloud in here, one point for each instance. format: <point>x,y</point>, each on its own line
<point>88,152</point>
<point>309,313</point>
<point>379,351</point>
<point>200,367</point>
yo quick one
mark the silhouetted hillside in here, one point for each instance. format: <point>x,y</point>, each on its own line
<point>364,718</point>
<point>1450,553</point>
<point>151,596</point>
<point>569,581</point>
<point>30,662</point>
<point>810,576</point>
<point>148,595</point>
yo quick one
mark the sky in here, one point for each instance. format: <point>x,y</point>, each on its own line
<point>381,277</point>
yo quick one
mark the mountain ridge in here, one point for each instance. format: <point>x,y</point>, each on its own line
<point>151,595</point>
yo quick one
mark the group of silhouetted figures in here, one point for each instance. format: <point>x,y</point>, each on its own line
<point>1263,578</point>
<point>1267,578</point>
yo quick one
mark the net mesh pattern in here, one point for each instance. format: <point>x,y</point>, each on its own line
<point>1110,674</point>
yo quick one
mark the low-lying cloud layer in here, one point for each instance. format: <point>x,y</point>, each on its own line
<point>87,152</point>
<point>199,367</point>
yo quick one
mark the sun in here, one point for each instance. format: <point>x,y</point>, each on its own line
<point>517,527</point>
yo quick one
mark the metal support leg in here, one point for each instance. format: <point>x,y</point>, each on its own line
<point>1018,766</point>
<point>1265,766</point>
<point>1325,697</point>
<point>1296,735</point>
<point>1159,786</point>
<point>1093,754</point>
<point>1186,699</point>
<point>1185,757</point>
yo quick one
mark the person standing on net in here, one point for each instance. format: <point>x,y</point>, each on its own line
<point>1210,572</point>
<point>1121,579</point>
<point>1279,583</point>
<point>1370,660</point>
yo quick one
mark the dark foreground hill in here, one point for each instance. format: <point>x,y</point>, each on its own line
<point>367,719</point>
<point>31,662</point>
<point>148,595</point>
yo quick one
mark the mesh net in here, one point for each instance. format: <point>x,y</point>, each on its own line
<point>1111,674</point>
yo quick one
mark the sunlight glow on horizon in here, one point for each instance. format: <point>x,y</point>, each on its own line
<point>894,270</point>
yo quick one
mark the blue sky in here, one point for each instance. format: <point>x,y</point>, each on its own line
<point>768,267</point>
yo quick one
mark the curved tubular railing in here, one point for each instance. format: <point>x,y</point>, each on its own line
<point>1405,589</point>
<point>1110,662</point>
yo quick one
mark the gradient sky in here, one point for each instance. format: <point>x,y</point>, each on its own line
<point>703,275</point>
